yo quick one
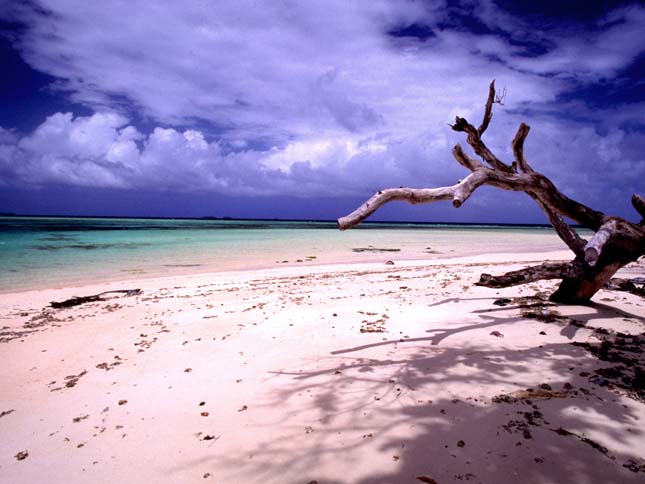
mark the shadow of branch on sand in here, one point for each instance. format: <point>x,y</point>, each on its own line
<point>455,408</point>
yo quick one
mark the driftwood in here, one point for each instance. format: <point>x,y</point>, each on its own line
<point>75,301</point>
<point>616,241</point>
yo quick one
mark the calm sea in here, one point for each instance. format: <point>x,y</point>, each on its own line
<point>40,252</point>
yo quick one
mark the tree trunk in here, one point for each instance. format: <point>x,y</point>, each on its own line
<point>616,241</point>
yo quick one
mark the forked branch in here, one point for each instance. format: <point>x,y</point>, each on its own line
<point>518,148</point>
<point>616,242</point>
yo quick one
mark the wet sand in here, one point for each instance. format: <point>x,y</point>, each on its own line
<point>368,373</point>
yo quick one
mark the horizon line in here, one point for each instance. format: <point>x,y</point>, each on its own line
<point>248,219</point>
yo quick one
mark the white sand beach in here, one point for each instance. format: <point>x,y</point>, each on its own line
<point>367,373</point>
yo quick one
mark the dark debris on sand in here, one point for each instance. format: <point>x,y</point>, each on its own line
<point>22,455</point>
<point>72,380</point>
<point>626,351</point>
<point>586,440</point>
<point>75,301</point>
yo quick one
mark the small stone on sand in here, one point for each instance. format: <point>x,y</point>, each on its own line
<point>22,455</point>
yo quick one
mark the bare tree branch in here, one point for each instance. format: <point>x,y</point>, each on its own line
<point>457,193</point>
<point>488,111</point>
<point>464,160</point>
<point>474,140</point>
<point>518,148</point>
<point>551,196</point>
<point>594,247</point>
<point>564,231</point>
<point>616,242</point>
<point>639,204</point>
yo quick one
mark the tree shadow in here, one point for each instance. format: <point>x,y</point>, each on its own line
<point>452,410</point>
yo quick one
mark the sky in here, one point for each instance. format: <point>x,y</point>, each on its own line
<point>303,109</point>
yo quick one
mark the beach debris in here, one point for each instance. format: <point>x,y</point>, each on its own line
<point>243,408</point>
<point>211,437</point>
<point>41,320</point>
<point>108,366</point>
<point>502,302</point>
<point>371,248</point>
<point>78,419</point>
<point>529,394</point>
<point>426,479</point>
<point>542,314</point>
<point>626,351</point>
<point>72,380</point>
<point>586,440</point>
<point>628,285</point>
<point>377,326</point>
<point>204,414</point>
<point>122,402</point>
<point>518,426</point>
<point>598,380</point>
<point>468,476</point>
<point>207,475</point>
<point>75,301</point>
<point>389,263</point>
<point>496,334</point>
<point>6,412</point>
<point>461,443</point>
<point>635,465</point>
<point>22,455</point>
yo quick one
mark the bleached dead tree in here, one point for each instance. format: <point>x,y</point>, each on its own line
<point>616,241</point>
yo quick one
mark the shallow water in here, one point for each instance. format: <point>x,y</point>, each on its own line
<point>39,252</point>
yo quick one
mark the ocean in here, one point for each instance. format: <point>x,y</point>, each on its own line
<point>44,252</point>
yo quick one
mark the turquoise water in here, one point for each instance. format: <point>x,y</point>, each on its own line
<point>39,252</point>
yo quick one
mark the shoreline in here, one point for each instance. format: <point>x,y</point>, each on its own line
<point>48,256</point>
<point>343,374</point>
<point>378,260</point>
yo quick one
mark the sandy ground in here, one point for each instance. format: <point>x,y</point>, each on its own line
<point>334,374</point>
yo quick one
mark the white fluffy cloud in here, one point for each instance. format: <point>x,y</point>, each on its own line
<point>103,150</point>
<point>304,98</point>
<point>268,70</point>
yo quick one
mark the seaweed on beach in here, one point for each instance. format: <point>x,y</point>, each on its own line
<point>626,351</point>
<point>541,313</point>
